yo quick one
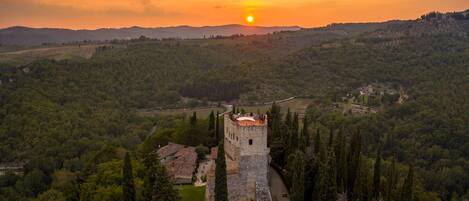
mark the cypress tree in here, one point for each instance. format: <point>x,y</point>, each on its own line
<point>148,184</point>
<point>211,121</point>
<point>157,185</point>
<point>331,137</point>
<point>325,188</point>
<point>128,187</point>
<point>341,162</point>
<point>361,190</point>
<point>217,127</point>
<point>221,188</point>
<point>293,137</point>
<point>298,177</point>
<point>377,176</point>
<point>317,142</point>
<point>353,162</point>
<point>391,179</point>
<point>233,110</point>
<point>194,119</point>
<point>163,188</point>
<point>295,123</point>
<point>288,119</point>
<point>406,193</point>
<point>305,131</point>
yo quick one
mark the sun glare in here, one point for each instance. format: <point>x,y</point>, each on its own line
<point>250,19</point>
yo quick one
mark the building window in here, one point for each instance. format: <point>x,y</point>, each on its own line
<point>250,141</point>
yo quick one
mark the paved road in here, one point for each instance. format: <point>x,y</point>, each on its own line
<point>277,187</point>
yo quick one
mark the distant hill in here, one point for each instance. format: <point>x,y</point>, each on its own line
<point>33,36</point>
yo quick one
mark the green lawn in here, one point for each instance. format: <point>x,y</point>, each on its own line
<point>191,193</point>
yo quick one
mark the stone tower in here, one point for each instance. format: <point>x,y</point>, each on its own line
<point>247,159</point>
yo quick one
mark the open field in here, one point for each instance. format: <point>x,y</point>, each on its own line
<point>201,112</point>
<point>22,57</point>
<point>297,105</point>
<point>191,193</point>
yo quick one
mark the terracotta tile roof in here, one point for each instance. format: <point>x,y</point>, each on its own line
<point>180,161</point>
<point>169,150</point>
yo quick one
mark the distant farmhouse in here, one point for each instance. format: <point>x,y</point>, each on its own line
<point>15,168</point>
<point>247,159</point>
<point>180,161</point>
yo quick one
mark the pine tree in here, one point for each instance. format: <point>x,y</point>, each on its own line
<point>221,188</point>
<point>298,177</point>
<point>377,176</point>
<point>406,193</point>
<point>128,187</point>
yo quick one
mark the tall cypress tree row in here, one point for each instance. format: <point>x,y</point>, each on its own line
<point>298,177</point>
<point>128,187</point>
<point>221,186</point>
<point>407,187</point>
<point>325,188</point>
<point>377,176</point>
<point>362,189</point>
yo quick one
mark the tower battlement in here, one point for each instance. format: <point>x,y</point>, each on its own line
<point>245,135</point>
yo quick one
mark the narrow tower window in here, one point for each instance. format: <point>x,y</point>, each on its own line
<point>250,141</point>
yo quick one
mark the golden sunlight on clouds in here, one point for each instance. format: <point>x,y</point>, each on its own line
<point>78,14</point>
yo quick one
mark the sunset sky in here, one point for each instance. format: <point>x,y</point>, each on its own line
<point>91,14</point>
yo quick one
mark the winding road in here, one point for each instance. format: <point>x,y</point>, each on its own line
<point>278,189</point>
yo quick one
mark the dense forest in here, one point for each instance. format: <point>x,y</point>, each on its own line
<point>76,118</point>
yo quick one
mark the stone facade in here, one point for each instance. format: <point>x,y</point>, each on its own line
<point>247,157</point>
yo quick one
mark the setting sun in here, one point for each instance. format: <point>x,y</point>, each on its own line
<point>250,19</point>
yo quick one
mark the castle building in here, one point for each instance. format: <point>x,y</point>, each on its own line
<point>247,159</point>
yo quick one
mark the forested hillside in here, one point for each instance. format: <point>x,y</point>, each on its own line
<point>57,115</point>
